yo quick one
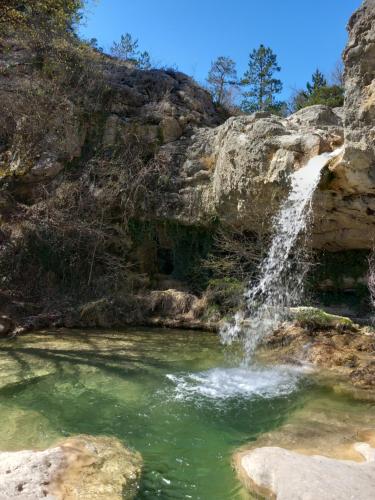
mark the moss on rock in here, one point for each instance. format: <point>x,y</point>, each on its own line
<point>314,318</point>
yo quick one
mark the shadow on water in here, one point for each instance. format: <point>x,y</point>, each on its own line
<point>109,361</point>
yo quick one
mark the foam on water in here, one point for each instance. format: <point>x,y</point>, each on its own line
<point>243,382</point>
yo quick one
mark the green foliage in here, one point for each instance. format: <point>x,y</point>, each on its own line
<point>225,294</point>
<point>221,79</point>
<point>45,15</point>
<point>127,50</point>
<point>144,61</point>
<point>332,96</point>
<point>319,92</point>
<point>318,81</point>
<point>314,319</point>
<point>93,43</point>
<point>190,245</point>
<point>260,79</point>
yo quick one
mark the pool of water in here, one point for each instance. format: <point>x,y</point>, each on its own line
<point>172,395</point>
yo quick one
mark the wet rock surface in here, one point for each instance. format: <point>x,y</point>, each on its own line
<point>340,347</point>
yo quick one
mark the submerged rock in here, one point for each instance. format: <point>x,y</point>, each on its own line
<point>285,475</point>
<point>79,468</point>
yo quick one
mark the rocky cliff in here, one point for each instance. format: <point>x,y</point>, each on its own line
<point>234,170</point>
<point>238,172</point>
<point>111,176</point>
<point>348,208</point>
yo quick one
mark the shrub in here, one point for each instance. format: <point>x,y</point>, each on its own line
<point>225,293</point>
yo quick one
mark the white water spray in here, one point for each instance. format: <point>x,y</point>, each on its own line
<point>282,271</point>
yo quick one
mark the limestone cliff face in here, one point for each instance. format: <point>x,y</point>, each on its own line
<point>238,172</point>
<point>70,118</point>
<point>347,209</point>
<point>78,136</point>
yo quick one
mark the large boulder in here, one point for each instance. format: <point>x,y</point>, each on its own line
<point>313,116</point>
<point>282,474</point>
<point>80,468</point>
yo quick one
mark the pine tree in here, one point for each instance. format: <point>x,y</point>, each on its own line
<point>93,43</point>
<point>126,49</point>
<point>259,77</point>
<point>318,92</point>
<point>318,81</point>
<point>221,79</point>
<point>144,61</point>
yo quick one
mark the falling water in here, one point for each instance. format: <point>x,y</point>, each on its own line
<point>282,271</point>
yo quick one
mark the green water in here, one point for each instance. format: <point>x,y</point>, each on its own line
<point>171,395</point>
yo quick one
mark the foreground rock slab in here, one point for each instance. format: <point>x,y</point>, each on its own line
<point>282,474</point>
<point>82,467</point>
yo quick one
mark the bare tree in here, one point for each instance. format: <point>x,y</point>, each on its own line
<point>221,79</point>
<point>337,75</point>
<point>236,253</point>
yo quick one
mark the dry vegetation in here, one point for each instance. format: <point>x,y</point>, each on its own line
<point>77,240</point>
<point>65,237</point>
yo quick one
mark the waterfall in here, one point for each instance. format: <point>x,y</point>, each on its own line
<point>283,270</point>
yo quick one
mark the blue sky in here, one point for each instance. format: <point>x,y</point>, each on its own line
<point>305,34</point>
